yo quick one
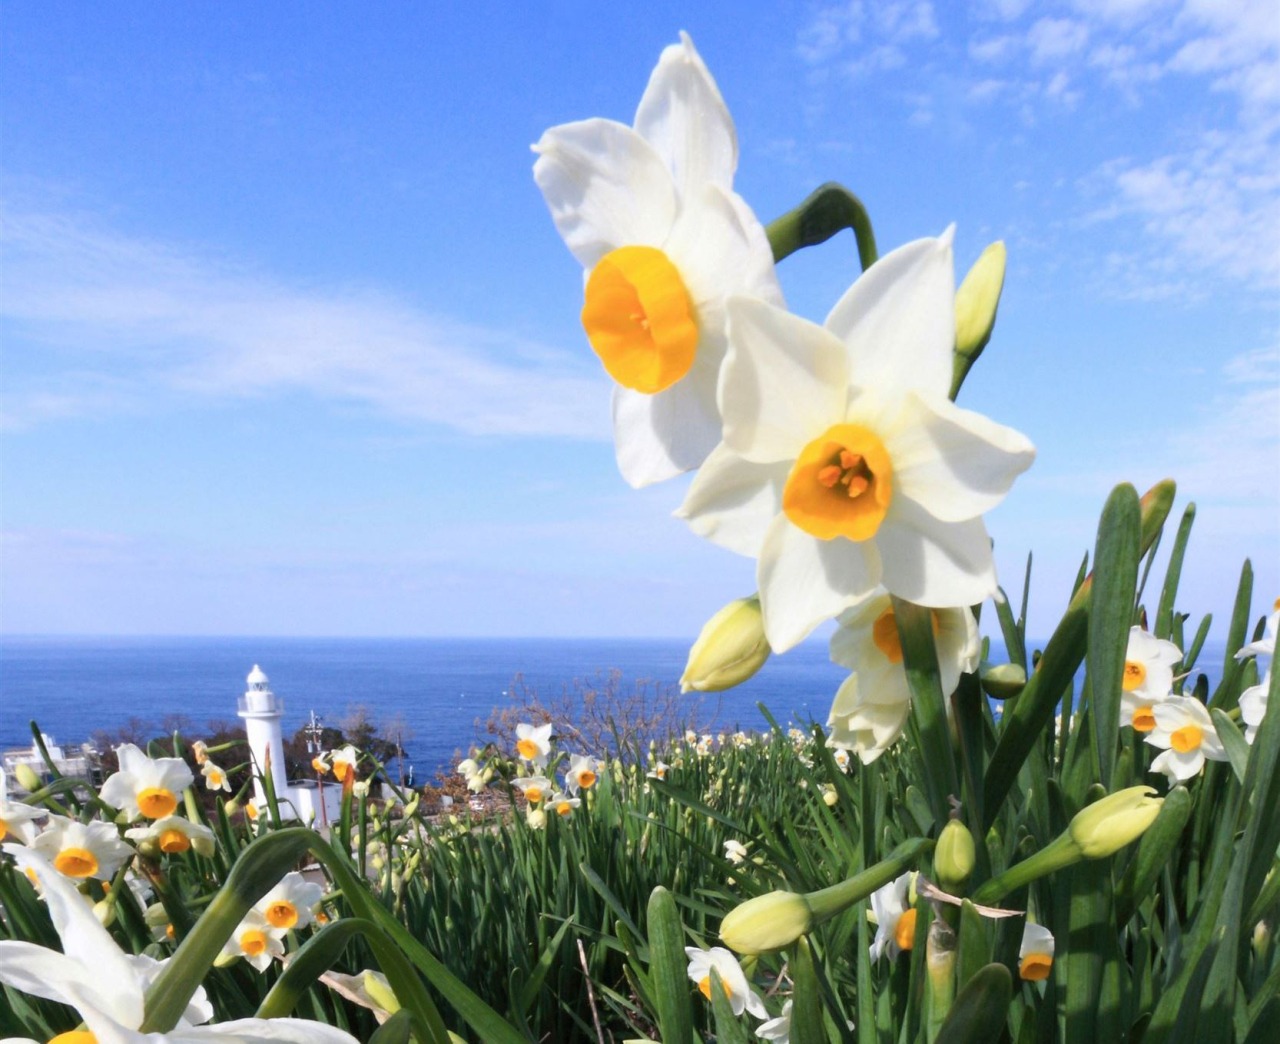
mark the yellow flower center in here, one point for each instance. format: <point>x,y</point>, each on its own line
<point>319,766</point>
<point>639,319</point>
<point>174,841</point>
<point>76,862</point>
<point>341,769</point>
<point>586,778</point>
<point>251,811</point>
<point>904,932</point>
<point>1144,719</point>
<point>527,749</point>
<point>884,632</point>
<point>841,484</point>
<point>170,932</point>
<point>74,1037</point>
<point>1187,738</point>
<point>1135,674</point>
<point>216,778</point>
<point>282,914</point>
<point>564,808</point>
<point>534,794</point>
<point>704,985</point>
<point>157,802</point>
<point>254,942</point>
<point>1035,967</point>
<point>4,829</point>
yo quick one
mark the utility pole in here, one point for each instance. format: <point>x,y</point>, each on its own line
<point>315,747</point>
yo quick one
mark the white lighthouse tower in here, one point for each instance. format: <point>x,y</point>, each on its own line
<point>262,714</point>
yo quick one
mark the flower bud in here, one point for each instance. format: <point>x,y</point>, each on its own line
<point>105,911</point>
<point>1002,681</point>
<point>977,300</point>
<point>380,992</point>
<point>26,775</point>
<point>954,856</point>
<point>766,923</point>
<point>730,649</point>
<point>155,916</point>
<point>1109,824</point>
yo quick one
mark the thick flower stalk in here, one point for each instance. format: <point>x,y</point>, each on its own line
<point>651,214</point>
<point>844,465</point>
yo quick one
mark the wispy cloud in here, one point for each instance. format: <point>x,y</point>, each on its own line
<point>98,321</point>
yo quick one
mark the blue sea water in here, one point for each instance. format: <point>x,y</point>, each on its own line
<point>441,687</point>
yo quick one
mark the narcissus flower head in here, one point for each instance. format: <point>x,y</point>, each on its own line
<point>533,742</point>
<point>291,903</point>
<point>732,979</point>
<point>1185,731</point>
<point>344,761</point>
<point>82,850</point>
<point>536,789</point>
<point>1035,955</point>
<point>1147,678</point>
<point>214,777</point>
<point>149,787</point>
<point>650,212</point>
<point>173,835</point>
<point>17,821</point>
<point>562,804</point>
<point>582,772</point>
<point>255,940</point>
<point>895,918</point>
<point>844,464</point>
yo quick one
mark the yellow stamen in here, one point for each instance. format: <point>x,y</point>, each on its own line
<point>1135,674</point>
<point>281,914</point>
<point>841,484</point>
<point>174,841</point>
<point>1144,719</point>
<point>157,802</point>
<point>76,862</point>
<point>904,932</point>
<point>1187,738</point>
<point>527,749</point>
<point>254,942</point>
<point>586,778</point>
<point>1035,967</point>
<point>74,1037</point>
<point>639,319</point>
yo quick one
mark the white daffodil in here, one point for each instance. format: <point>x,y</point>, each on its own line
<point>146,786</point>
<point>777,1030</point>
<point>870,708</point>
<point>1035,955</point>
<point>214,777</point>
<point>1185,731</point>
<point>17,821</point>
<point>732,980</point>
<point>344,762</point>
<point>844,463</point>
<point>563,804</point>
<point>706,744</point>
<point>581,774</point>
<point>895,918</point>
<point>82,850</point>
<point>841,757</point>
<point>172,835</point>
<point>200,751</point>
<point>290,903</point>
<point>533,742</point>
<point>92,973</point>
<point>1253,706</point>
<point>1147,679</point>
<point>1266,645</point>
<point>320,764</point>
<point>255,940</point>
<point>735,851</point>
<point>650,212</point>
<point>658,770</point>
<point>536,789</point>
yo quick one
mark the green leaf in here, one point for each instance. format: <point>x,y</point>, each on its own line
<point>668,969</point>
<point>316,957</point>
<point>1233,742</point>
<point>396,1030</point>
<point>806,1012</point>
<point>1154,852</point>
<point>829,209</point>
<point>981,1009</point>
<point>1172,574</point>
<point>730,1028</point>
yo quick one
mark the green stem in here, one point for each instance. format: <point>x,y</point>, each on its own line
<point>829,209</point>
<point>1063,852</point>
<point>828,902</point>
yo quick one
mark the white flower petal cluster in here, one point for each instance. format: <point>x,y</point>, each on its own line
<point>1185,731</point>
<point>650,212</point>
<point>1035,955</point>
<point>82,850</point>
<point>870,708</point>
<point>533,743</point>
<point>17,821</point>
<point>894,916</point>
<point>146,787</point>
<point>732,979</point>
<point>777,1030</point>
<point>1147,679</point>
<point>291,904</point>
<point>536,789</point>
<point>581,774</point>
<point>1253,701</point>
<point>173,835</point>
<point>255,940</point>
<point>844,465</point>
<point>215,778</point>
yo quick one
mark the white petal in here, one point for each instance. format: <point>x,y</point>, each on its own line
<point>783,382</point>
<point>659,436</point>
<point>804,581</point>
<point>938,564</point>
<point>898,320</point>
<point>605,186</point>
<point>954,463</point>
<point>732,502</point>
<point>302,1031</point>
<point>45,973</point>
<point>683,116</point>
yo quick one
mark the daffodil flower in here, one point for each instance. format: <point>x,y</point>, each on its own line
<point>289,905</point>
<point>732,979</point>
<point>563,804</point>
<point>82,850</point>
<point>650,212</point>
<point>735,851</point>
<point>344,762</point>
<point>895,918</point>
<point>658,770</point>
<point>1185,731</point>
<point>173,835</point>
<point>844,464</point>
<point>146,786</point>
<point>1253,706</point>
<point>1147,679</point>
<point>777,1030</point>
<point>255,940</point>
<point>214,777</point>
<point>871,706</point>
<point>17,821</point>
<point>581,774</point>
<point>200,751</point>
<point>1035,955</point>
<point>533,742</point>
<point>1266,645</point>
<point>536,789</point>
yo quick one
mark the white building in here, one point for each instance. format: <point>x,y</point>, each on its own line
<point>263,715</point>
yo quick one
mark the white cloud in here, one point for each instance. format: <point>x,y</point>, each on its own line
<point>1051,39</point>
<point>108,322</point>
<point>993,48</point>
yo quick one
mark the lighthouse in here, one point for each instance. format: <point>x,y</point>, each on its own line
<point>262,714</point>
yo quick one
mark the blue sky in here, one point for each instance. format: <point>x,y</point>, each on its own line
<point>290,344</point>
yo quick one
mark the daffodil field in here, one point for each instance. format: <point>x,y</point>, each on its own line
<point>1076,842</point>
